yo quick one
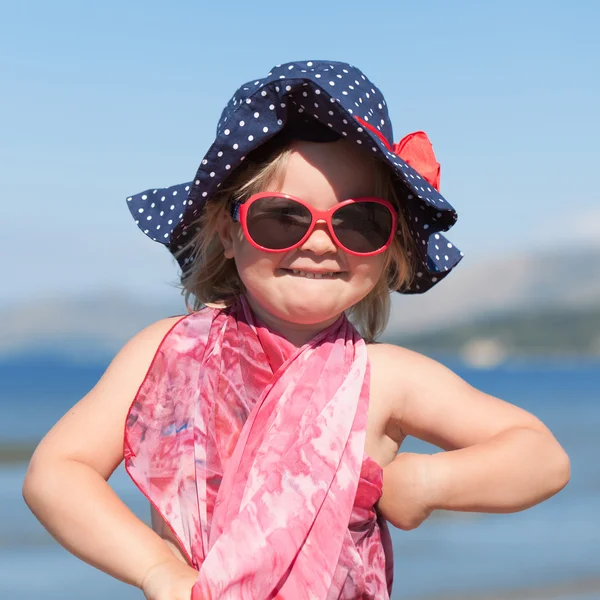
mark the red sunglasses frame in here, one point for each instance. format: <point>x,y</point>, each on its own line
<point>239,213</point>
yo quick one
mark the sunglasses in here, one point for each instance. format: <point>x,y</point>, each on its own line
<point>280,222</point>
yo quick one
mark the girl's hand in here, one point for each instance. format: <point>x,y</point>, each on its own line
<point>406,499</point>
<point>169,580</point>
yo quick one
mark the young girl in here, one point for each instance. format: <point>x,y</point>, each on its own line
<point>263,427</point>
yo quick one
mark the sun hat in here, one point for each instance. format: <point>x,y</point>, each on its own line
<point>319,101</point>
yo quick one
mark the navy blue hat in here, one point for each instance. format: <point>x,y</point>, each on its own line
<point>316,100</point>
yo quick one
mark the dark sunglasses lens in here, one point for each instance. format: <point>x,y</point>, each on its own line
<point>277,223</point>
<point>363,226</point>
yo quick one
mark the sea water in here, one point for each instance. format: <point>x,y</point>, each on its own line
<point>459,555</point>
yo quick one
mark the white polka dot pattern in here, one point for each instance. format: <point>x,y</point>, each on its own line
<point>296,95</point>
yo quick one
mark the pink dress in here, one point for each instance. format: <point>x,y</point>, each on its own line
<point>252,451</point>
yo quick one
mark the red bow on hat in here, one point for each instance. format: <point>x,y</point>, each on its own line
<point>414,149</point>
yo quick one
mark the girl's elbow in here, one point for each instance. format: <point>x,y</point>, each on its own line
<point>563,468</point>
<point>32,486</point>
<point>553,463</point>
<point>39,478</point>
<point>559,469</point>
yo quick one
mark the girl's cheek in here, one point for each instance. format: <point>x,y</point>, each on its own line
<point>371,266</point>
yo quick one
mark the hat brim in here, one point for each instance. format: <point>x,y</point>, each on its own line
<point>275,105</point>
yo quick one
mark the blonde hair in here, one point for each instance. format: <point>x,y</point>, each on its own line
<point>212,279</point>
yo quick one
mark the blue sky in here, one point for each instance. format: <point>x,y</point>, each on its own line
<point>102,100</point>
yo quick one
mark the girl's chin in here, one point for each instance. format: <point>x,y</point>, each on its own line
<point>310,318</point>
<point>310,309</point>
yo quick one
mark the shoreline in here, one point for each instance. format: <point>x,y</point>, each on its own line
<point>16,453</point>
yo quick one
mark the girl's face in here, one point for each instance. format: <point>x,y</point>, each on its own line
<point>292,304</point>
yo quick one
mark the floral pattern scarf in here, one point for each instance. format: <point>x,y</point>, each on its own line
<point>252,451</point>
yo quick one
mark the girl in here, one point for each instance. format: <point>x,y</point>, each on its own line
<point>262,427</point>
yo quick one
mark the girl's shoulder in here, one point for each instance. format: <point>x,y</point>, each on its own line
<point>428,400</point>
<point>131,364</point>
<point>403,379</point>
<point>135,357</point>
<point>91,431</point>
<point>411,377</point>
<point>391,360</point>
<point>154,333</point>
<point>397,361</point>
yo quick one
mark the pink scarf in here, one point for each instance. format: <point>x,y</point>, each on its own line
<point>252,451</point>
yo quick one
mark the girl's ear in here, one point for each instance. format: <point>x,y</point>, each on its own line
<point>225,231</point>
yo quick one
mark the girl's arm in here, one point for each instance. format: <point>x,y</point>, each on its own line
<point>499,457</point>
<point>66,482</point>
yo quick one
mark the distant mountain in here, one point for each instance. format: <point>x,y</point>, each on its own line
<point>486,342</point>
<point>82,328</point>
<point>568,280</point>
<point>88,328</point>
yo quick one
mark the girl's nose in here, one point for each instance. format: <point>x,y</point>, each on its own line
<point>319,241</point>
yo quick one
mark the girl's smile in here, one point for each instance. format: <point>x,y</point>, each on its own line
<point>311,274</point>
